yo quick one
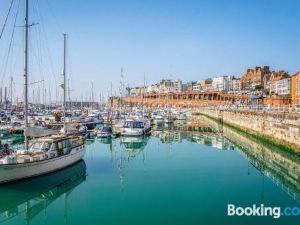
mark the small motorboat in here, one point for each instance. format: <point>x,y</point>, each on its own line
<point>104,132</point>
<point>136,127</point>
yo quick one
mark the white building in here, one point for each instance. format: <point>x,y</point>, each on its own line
<point>283,87</point>
<point>222,83</point>
<point>177,84</point>
<point>197,87</point>
<point>235,86</point>
<point>168,86</point>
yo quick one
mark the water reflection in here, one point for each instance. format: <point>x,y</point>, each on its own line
<point>134,143</point>
<point>107,141</point>
<point>133,146</point>
<point>281,167</point>
<point>30,197</point>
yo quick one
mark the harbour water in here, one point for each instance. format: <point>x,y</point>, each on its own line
<point>170,177</point>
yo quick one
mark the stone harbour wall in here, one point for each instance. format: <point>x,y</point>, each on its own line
<point>281,128</point>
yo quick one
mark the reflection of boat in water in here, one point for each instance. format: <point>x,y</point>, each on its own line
<point>158,120</point>
<point>31,196</point>
<point>134,144</point>
<point>104,140</point>
<point>166,137</point>
<point>90,141</point>
<point>158,127</point>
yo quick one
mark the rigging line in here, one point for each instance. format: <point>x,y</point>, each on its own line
<point>9,55</point>
<point>14,58</point>
<point>17,55</point>
<point>38,53</point>
<point>5,21</point>
<point>43,48</point>
<point>43,32</point>
<point>10,46</point>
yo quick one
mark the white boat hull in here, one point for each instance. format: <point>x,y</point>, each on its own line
<point>158,122</point>
<point>14,172</point>
<point>135,132</point>
<point>103,135</point>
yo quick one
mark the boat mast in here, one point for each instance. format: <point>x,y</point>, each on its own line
<point>26,26</point>
<point>64,85</point>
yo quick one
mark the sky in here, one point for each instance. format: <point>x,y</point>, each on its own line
<point>149,39</point>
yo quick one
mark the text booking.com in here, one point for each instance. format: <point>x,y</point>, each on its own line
<point>261,210</point>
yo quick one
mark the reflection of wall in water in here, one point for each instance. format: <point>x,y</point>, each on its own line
<point>214,140</point>
<point>177,137</point>
<point>168,137</point>
<point>282,167</point>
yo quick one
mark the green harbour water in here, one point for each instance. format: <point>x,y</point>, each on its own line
<point>170,177</point>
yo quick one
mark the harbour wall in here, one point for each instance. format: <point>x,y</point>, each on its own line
<point>279,128</point>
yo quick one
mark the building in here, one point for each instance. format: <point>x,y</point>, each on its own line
<point>254,78</point>
<point>236,84</point>
<point>206,85</point>
<point>279,83</point>
<point>283,87</point>
<point>235,87</point>
<point>177,84</point>
<point>188,87</point>
<point>153,88</point>
<point>295,89</point>
<point>135,91</point>
<point>168,86</point>
<point>222,83</point>
<point>197,87</point>
<point>83,104</point>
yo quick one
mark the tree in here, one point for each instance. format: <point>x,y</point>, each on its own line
<point>258,87</point>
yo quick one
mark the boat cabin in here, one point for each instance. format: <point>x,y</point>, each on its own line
<point>133,124</point>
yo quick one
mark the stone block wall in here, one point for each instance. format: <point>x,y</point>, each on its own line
<point>280,127</point>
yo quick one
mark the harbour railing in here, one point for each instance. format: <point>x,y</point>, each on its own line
<point>272,108</point>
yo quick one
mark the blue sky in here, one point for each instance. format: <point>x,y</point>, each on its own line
<point>185,39</point>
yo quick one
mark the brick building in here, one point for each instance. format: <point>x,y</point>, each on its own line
<point>295,89</point>
<point>255,77</point>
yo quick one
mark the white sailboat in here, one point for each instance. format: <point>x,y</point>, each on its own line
<point>43,155</point>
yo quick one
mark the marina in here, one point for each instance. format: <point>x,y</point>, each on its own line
<point>84,140</point>
<point>134,177</point>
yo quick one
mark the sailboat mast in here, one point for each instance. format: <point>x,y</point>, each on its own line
<point>26,27</point>
<point>64,85</point>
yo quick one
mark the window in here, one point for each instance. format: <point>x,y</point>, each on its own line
<point>40,146</point>
<point>127,124</point>
<point>138,125</point>
<point>36,146</point>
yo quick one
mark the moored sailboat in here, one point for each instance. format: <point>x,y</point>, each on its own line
<point>43,155</point>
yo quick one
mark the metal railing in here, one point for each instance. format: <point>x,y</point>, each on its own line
<point>271,108</point>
